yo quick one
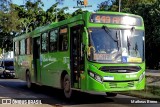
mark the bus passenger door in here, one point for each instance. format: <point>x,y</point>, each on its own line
<point>76,56</point>
<point>36,59</point>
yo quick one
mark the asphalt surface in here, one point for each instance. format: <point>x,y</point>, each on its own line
<point>50,97</point>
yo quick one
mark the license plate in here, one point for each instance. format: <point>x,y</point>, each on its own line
<point>108,78</point>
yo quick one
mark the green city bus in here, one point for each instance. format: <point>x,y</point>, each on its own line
<point>90,52</point>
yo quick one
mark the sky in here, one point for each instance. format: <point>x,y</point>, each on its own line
<point>69,3</point>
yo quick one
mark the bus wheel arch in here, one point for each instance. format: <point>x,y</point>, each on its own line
<point>64,72</point>
<point>66,84</point>
<point>28,78</point>
<point>111,94</point>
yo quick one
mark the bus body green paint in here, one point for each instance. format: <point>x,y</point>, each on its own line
<point>103,72</point>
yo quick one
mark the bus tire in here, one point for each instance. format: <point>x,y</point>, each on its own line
<point>67,86</point>
<point>111,94</point>
<point>4,74</point>
<point>28,79</point>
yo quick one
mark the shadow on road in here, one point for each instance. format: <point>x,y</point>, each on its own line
<point>50,95</point>
<point>77,98</point>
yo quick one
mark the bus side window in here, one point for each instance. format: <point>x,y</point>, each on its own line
<point>22,47</point>
<point>28,43</point>
<point>63,39</point>
<point>16,48</point>
<point>53,40</point>
<point>44,42</point>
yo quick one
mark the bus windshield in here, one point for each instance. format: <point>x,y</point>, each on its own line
<point>116,46</point>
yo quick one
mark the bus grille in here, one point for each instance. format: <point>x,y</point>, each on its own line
<point>131,84</point>
<point>115,85</point>
<point>120,69</point>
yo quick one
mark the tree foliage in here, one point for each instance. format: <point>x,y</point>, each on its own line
<point>15,19</point>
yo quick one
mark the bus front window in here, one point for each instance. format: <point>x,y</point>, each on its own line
<point>104,45</point>
<point>133,45</point>
<point>115,46</point>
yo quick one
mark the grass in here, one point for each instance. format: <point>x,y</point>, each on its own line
<point>154,90</point>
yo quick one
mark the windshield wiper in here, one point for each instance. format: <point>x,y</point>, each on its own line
<point>118,40</point>
<point>128,44</point>
<point>108,32</point>
<point>128,38</point>
<point>117,37</point>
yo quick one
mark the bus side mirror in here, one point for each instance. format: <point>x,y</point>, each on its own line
<point>90,52</point>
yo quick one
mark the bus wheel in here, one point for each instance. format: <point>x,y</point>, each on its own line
<point>111,94</point>
<point>4,74</point>
<point>67,86</point>
<point>28,80</point>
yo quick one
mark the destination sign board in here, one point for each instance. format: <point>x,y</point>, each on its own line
<point>116,19</point>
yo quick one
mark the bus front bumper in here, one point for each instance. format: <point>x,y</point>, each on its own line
<point>113,86</point>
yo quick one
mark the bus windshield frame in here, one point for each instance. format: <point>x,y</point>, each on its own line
<point>116,45</point>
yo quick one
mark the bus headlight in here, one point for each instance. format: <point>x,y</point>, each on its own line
<point>95,76</point>
<point>91,74</point>
<point>141,76</point>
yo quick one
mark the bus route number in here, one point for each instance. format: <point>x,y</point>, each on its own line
<point>115,19</point>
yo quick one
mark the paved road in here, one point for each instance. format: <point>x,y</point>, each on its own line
<point>14,88</point>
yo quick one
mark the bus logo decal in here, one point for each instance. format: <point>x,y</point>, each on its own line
<point>65,60</point>
<point>48,64</point>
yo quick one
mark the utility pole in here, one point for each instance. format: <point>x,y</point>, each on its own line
<point>3,54</point>
<point>56,15</point>
<point>119,5</point>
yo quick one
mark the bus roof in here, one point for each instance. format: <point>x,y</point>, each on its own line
<point>41,29</point>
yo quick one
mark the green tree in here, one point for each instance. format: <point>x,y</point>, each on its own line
<point>126,5</point>
<point>78,11</point>
<point>16,20</point>
<point>29,15</point>
<point>7,24</point>
<point>55,14</point>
